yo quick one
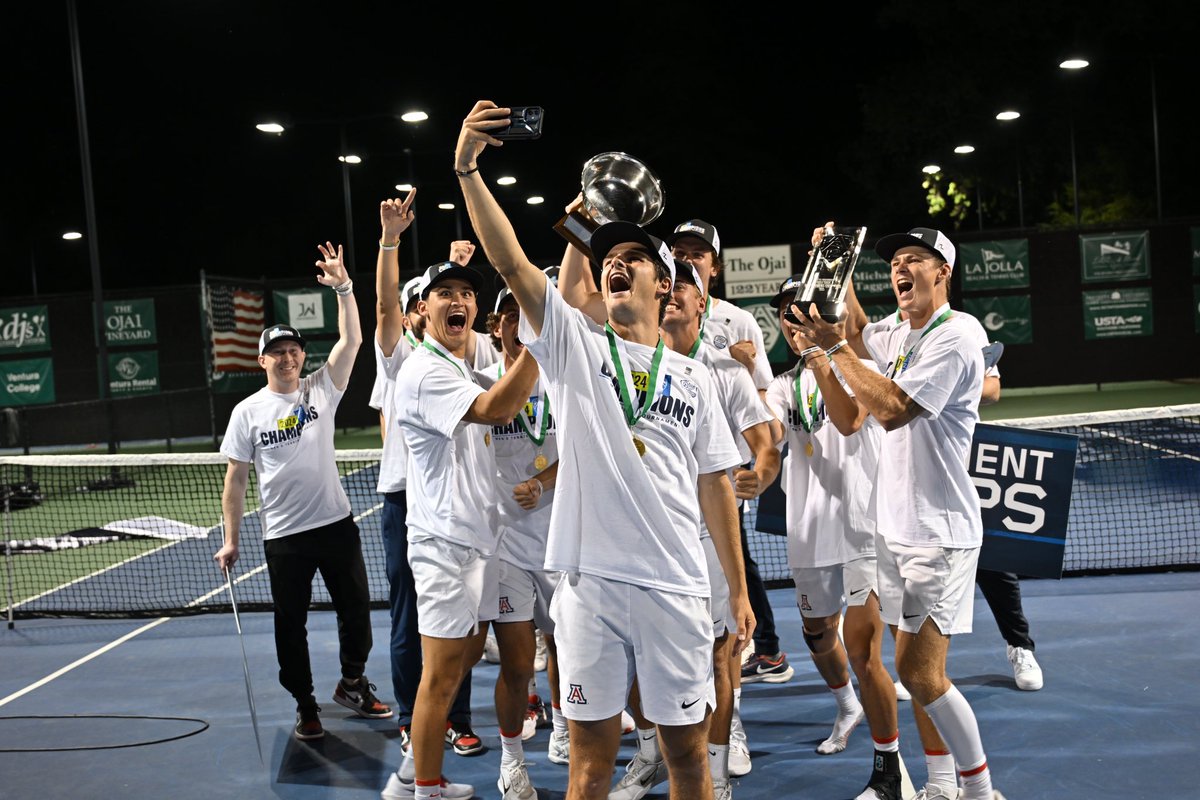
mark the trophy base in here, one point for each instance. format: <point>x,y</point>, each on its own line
<point>830,311</point>
<point>577,229</point>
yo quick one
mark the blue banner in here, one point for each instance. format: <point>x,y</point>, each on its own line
<point>1024,482</point>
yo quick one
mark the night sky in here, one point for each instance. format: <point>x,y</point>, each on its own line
<point>764,124</point>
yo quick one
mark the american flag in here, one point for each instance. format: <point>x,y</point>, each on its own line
<point>237,321</point>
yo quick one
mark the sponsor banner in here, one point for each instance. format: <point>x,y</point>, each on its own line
<point>133,373</point>
<point>872,276</point>
<point>1115,256</point>
<point>756,271</point>
<point>1024,480</point>
<point>1006,319</point>
<point>306,310</point>
<point>315,356</point>
<point>994,265</point>
<point>129,322</point>
<point>26,383</point>
<point>1117,313</point>
<point>24,330</point>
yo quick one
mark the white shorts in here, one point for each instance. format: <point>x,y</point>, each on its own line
<point>718,601</point>
<point>525,595</point>
<point>609,631</point>
<point>456,588</point>
<point>822,591</point>
<point>920,582</point>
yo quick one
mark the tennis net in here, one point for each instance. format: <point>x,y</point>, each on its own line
<point>134,536</point>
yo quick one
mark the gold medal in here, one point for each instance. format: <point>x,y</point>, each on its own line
<point>808,449</point>
<point>640,445</point>
<point>487,439</point>
<point>540,463</point>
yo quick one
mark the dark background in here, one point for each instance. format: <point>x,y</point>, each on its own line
<point>763,123</point>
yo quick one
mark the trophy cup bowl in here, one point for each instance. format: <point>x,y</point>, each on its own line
<point>616,187</point>
<point>827,274</point>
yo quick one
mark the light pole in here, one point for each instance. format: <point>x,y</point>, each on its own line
<point>1073,65</point>
<point>1154,123</point>
<point>1008,116</point>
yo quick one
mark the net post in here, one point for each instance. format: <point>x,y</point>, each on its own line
<point>8,559</point>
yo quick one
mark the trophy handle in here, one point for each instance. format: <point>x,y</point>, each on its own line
<point>577,228</point>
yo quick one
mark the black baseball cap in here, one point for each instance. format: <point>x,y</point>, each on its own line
<point>551,274</point>
<point>932,240</point>
<point>685,272</point>
<point>448,270</point>
<point>280,333</point>
<point>700,229</point>
<point>611,234</point>
<point>411,291</point>
<point>787,289</point>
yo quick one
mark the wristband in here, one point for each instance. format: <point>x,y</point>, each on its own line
<point>464,173</point>
<point>345,288</point>
<point>808,351</point>
<point>383,246</point>
<point>540,488</point>
<point>836,347</point>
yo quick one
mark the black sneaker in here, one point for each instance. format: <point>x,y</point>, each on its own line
<point>359,697</point>
<point>463,739</point>
<point>308,723</point>
<point>885,778</point>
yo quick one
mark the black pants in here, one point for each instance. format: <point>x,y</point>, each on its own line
<point>1002,590</point>
<point>293,561</point>
<point>766,641</point>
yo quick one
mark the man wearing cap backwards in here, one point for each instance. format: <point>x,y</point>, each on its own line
<point>927,515</point>
<point>398,331</point>
<point>834,449</point>
<point>639,434</point>
<point>444,415</point>
<point>286,429</point>
<point>750,424</point>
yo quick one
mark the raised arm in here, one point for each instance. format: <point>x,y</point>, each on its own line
<point>507,397</point>
<point>856,317</point>
<point>233,506</point>
<point>394,218</point>
<point>846,413</point>
<point>526,281</point>
<point>575,282</point>
<point>333,274</point>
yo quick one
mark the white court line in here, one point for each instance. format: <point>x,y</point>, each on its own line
<point>149,626</point>
<point>95,574</point>
<point>1147,445</point>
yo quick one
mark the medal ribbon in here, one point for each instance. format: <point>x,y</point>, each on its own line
<point>696,347</point>
<point>438,352</point>
<point>541,412</point>
<point>412,340</point>
<point>625,377</point>
<point>902,358</point>
<point>813,399</point>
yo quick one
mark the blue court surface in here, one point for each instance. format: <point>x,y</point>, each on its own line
<point>1119,716</point>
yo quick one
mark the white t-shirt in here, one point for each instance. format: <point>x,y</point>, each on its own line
<point>522,533</point>
<point>726,324</point>
<point>923,492</point>
<point>485,354</point>
<point>829,518</point>
<point>289,439</point>
<point>393,463</point>
<point>618,515</point>
<point>451,494</point>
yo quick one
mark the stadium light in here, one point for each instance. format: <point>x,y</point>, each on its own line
<point>1006,116</point>
<point>404,187</point>
<point>350,159</point>
<point>414,116</point>
<point>270,127</point>
<point>931,169</point>
<point>1073,63</point>
<point>963,149</point>
<point>536,200</point>
<point>507,180</point>
<point>71,236</point>
<point>446,206</point>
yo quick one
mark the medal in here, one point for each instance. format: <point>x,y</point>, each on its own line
<point>541,462</point>
<point>625,387</point>
<point>541,421</point>
<point>808,449</point>
<point>487,438</point>
<point>640,446</point>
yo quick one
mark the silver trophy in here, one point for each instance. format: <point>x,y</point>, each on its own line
<point>616,187</point>
<point>828,272</point>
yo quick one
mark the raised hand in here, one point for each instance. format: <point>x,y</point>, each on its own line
<point>396,215</point>
<point>475,135</point>
<point>461,251</point>
<point>333,270</point>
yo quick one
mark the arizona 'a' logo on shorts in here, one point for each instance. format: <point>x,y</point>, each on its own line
<point>576,695</point>
<point>505,606</point>
<point>804,604</point>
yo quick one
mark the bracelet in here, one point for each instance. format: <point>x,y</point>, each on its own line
<point>383,246</point>
<point>464,173</point>
<point>345,288</point>
<point>836,347</point>
<point>808,351</point>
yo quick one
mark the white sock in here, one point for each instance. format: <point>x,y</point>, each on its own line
<point>560,721</point>
<point>848,706</point>
<point>737,699</point>
<point>512,751</point>
<point>408,768</point>
<point>891,745</point>
<point>956,723</point>
<point>428,792</point>
<point>648,744</point>
<point>940,768</point>
<point>718,762</point>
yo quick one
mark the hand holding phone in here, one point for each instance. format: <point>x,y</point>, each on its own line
<point>526,124</point>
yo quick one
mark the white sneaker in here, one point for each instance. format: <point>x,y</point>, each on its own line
<point>739,750</point>
<point>836,742</point>
<point>514,783</point>
<point>399,789</point>
<point>935,791</point>
<point>491,650</point>
<point>1026,671</point>
<point>560,748</point>
<point>640,776</point>
<point>535,715</point>
<point>627,724</point>
<point>749,651</point>
<point>901,692</point>
<point>722,790</point>
<point>541,655</point>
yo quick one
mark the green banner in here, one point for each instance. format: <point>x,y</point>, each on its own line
<point>24,330</point>
<point>315,355</point>
<point>872,277</point>
<point>1117,313</point>
<point>994,265</point>
<point>133,373</point>
<point>238,382</point>
<point>1115,256</point>
<point>1006,319</point>
<point>27,383</point>
<point>129,322</point>
<point>1196,252</point>
<point>307,310</point>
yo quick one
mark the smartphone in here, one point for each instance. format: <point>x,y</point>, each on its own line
<point>526,124</point>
